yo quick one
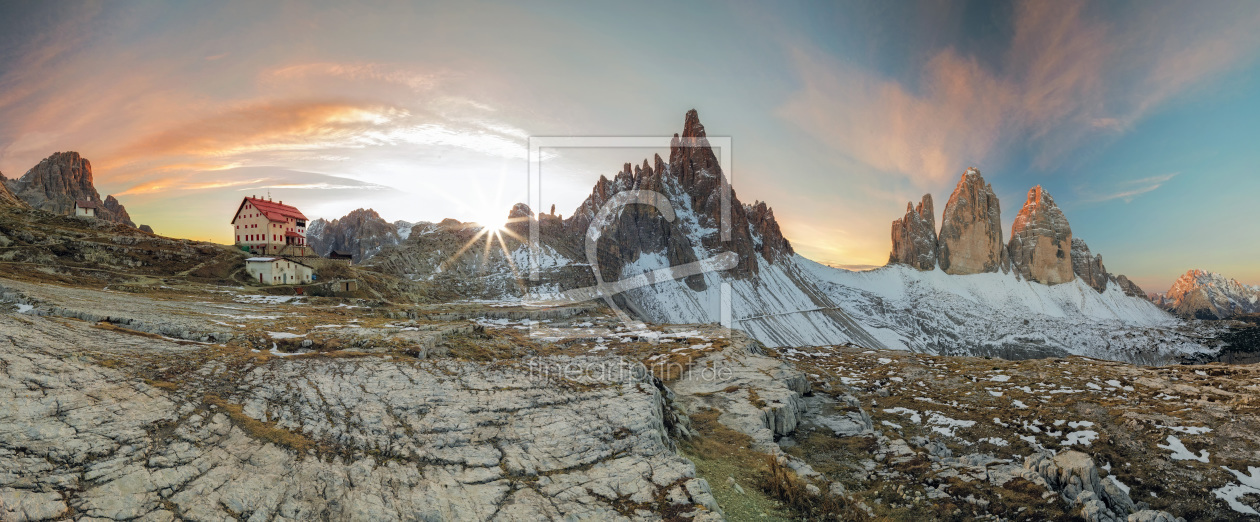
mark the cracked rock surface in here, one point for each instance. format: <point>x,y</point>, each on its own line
<point>101,425</point>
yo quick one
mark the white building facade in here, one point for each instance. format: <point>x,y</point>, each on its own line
<point>279,271</point>
<point>85,208</point>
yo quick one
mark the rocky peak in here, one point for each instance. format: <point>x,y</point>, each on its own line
<point>1041,240</point>
<point>1209,295</point>
<point>914,236</point>
<point>362,233</point>
<point>970,241</point>
<point>693,182</point>
<point>60,179</point>
<point>1129,287</point>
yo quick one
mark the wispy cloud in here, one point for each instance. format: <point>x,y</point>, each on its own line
<point>401,74</point>
<point>248,178</point>
<point>1125,190</point>
<point>1068,79</point>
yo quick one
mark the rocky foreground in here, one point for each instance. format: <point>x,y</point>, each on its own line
<point>213,403</point>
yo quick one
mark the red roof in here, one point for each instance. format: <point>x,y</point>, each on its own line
<point>274,211</point>
<point>292,234</point>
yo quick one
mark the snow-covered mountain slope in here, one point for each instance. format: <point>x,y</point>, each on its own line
<point>998,314</point>
<point>802,303</point>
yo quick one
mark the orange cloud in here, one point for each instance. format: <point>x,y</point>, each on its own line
<point>265,126</point>
<point>959,115</point>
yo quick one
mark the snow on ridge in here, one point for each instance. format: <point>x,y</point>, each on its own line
<point>797,302</point>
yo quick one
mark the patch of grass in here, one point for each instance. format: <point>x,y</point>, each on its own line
<point>720,452</point>
<point>264,431</point>
<point>783,483</point>
<point>164,385</point>
<point>756,399</point>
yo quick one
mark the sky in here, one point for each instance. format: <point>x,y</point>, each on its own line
<point>1140,118</point>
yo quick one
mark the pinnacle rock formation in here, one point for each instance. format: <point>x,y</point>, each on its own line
<point>970,241</point>
<point>60,179</point>
<point>1041,240</point>
<point>693,181</point>
<point>914,236</point>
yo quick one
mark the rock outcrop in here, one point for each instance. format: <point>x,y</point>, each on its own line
<point>1089,267</point>
<point>146,228</point>
<point>1041,241</point>
<point>1208,295</point>
<point>362,233</point>
<point>60,179</point>
<point>970,241</point>
<point>1129,287</point>
<point>914,236</point>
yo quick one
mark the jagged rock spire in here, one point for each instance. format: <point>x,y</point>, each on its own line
<point>914,236</point>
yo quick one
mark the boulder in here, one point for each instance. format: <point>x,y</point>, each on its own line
<point>914,236</point>
<point>1041,241</point>
<point>970,241</point>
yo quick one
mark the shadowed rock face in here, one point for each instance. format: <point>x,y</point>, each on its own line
<point>1041,240</point>
<point>914,236</point>
<point>970,241</point>
<point>1087,266</point>
<point>1129,287</point>
<point>58,181</point>
<point>362,233</point>
<point>1090,268</point>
